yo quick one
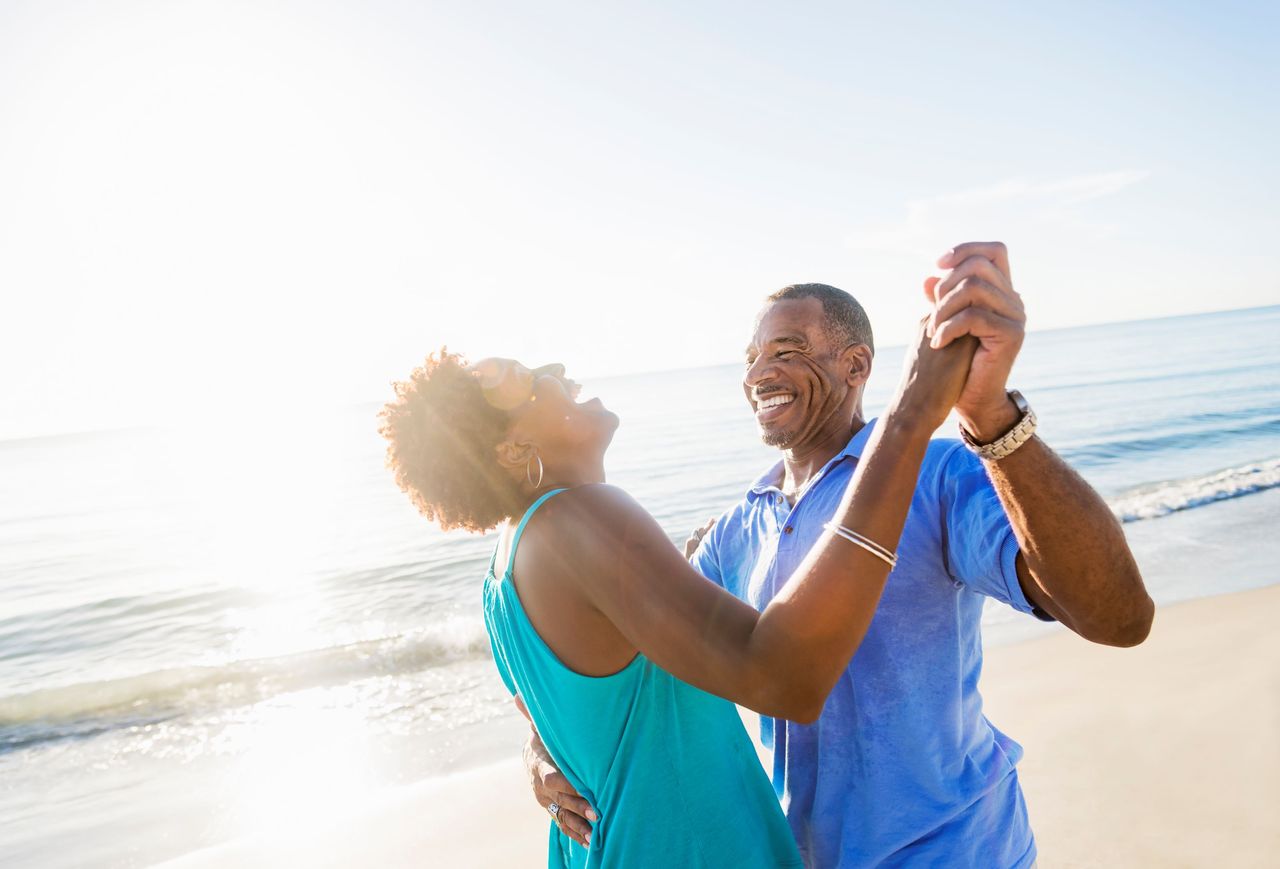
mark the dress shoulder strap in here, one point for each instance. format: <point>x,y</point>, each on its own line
<point>528,514</point>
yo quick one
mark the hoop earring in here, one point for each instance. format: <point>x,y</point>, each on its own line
<point>528,475</point>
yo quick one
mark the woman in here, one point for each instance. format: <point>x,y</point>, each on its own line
<point>612,643</point>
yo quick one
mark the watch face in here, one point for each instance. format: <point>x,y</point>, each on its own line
<point>1019,402</point>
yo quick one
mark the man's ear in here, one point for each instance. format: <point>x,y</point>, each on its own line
<point>514,453</point>
<point>856,360</point>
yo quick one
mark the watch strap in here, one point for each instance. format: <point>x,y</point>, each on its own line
<point>1011,440</point>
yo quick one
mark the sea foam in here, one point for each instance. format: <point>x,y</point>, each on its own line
<point>1160,499</point>
<point>88,708</point>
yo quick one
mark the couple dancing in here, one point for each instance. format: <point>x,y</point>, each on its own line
<point>868,538</point>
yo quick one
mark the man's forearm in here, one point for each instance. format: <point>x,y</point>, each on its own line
<point>1078,567</point>
<point>1075,563</point>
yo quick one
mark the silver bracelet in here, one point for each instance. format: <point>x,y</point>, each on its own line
<point>886,555</point>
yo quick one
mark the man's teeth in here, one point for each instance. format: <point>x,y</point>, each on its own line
<point>776,401</point>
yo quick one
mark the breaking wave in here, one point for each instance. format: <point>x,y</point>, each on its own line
<point>86,709</point>
<point>1153,500</point>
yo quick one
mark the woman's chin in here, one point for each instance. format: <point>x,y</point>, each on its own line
<point>595,407</point>
<point>609,423</point>
<point>595,422</point>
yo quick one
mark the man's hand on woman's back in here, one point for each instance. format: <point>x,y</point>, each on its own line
<point>695,538</point>
<point>574,814</point>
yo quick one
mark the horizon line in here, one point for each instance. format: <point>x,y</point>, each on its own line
<point>1043,331</point>
<point>6,441</point>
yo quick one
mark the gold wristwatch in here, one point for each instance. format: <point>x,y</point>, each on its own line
<point>1012,439</point>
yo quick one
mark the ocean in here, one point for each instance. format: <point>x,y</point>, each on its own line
<point>222,630</point>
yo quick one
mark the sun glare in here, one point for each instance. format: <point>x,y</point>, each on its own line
<point>305,762</point>
<point>260,496</point>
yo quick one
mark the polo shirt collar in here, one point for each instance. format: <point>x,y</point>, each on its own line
<point>771,480</point>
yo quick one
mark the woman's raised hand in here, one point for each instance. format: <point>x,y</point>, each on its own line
<point>932,379</point>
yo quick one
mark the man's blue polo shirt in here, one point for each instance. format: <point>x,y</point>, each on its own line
<point>902,768</point>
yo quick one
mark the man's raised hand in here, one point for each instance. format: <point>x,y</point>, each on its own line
<point>976,297</point>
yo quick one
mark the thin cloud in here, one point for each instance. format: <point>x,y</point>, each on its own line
<point>993,210</point>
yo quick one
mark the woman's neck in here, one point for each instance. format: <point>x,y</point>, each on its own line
<point>578,474</point>
<point>567,475</point>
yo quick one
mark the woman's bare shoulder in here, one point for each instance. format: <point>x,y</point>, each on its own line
<point>591,524</point>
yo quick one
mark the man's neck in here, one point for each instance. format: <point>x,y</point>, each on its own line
<point>801,463</point>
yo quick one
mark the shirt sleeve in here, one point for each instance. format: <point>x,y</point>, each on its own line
<point>706,558</point>
<point>978,542</point>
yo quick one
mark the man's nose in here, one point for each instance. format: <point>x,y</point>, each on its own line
<point>758,372</point>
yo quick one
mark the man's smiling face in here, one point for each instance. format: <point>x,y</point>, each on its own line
<point>796,381</point>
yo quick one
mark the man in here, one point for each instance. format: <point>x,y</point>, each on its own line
<point>902,768</point>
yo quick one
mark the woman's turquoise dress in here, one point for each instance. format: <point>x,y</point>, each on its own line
<point>669,768</point>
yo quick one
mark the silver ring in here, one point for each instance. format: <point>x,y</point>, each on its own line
<point>554,809</point>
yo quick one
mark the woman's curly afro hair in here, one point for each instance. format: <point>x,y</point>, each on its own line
<point>441,436</point>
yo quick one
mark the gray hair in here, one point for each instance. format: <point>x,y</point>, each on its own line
<point>845,321</point>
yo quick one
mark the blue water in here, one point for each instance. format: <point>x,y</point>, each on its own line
<point>190,617</point>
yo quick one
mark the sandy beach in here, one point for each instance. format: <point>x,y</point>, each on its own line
<point>1164,755</point>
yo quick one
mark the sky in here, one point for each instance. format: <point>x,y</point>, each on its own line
<point>209,209</point>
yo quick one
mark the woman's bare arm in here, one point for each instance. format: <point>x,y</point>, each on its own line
<point>785,660</point>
